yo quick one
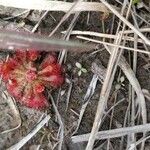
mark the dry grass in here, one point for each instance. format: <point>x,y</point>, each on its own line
<point>116,44</point>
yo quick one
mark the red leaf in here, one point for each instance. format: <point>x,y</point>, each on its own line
<point>54,80</point>
<point>20,55</point>
<point>6,68</point>
<point>14,89</point>
<point>36,101</point>
<point>50,59</point>
<point>51,70</point>
<point>32,55</point>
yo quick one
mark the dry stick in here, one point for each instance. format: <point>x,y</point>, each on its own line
<point>69,12</point>
<point>11,40</point>
<point>112,65</point>
<point>31,134</point>
<point>113,133</point>
<point>147,41</point>
<point>132,79</point>
<point>40,20</point>
<point>146,94</point>
<point>22,13</point>
<point>133,145</point>
<point>108,111</point>
<point>67,36</point>
<point>132,137</point>
<point>135,84</point>
<point>134,69</point>
<point>140,29</point>
<point>105,35</point>
<point>68,94</point>
<point>113,45</point>
<point>55,5</point>
<point>101,146</point>
<point>60,123</point>
<point>124,124</point>
<point>102,35</point>
<point>110,73</point>
<point>115,95</point>
<point>87,97</point>
<point>98,74</point>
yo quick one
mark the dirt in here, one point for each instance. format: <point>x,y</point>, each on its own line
<point>30,117</point>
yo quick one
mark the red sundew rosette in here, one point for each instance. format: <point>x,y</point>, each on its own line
<point>26,81</point>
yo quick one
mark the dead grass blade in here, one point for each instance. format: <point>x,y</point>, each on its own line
<point>146,94</point>
<point>87,97</point>
<point>133,81</point>
<point>55,5</point>
<point>68,94</point>
<point>110,73</point>
<point>68,13</point>
<point>112,65</point>
<point>113,133</point>
<point>67,35</point>
<point>101,35</point>
<point>39,22</point>
<point>61,128</point>
<point>125,67</point>
<point>125,21</point>
<point>133,145</point>
<point>114,45</point>
<point>22,142</point>
<point>22,13</point>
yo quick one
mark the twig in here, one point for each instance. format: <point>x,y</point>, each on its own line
<point>113,133</point>
<point>133,145</point>
<point>114,45</point>
<point>54,5</point>
<point>102,35</point>
<point>68,94</point>
<point>61,133</point>
<point>147,41</point>
<point>132,137</point>
<point>105,35</point>
<point>111,69</point>
<point>22,13</point>
<point>110,109</point>
<point>40,20</point>
<point>87,97</point>
<point>68,13</point>
<point>146,94</point>
<point>67,36</point>
<point>133,81</point>
<point>140,29</point>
